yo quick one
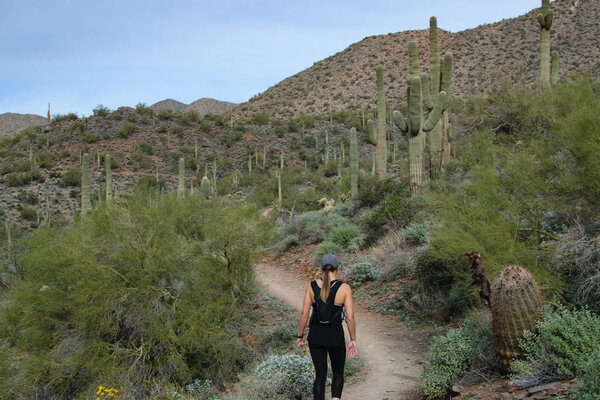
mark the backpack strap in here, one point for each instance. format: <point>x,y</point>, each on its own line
<point>333,291</point>
<point>316,289</point>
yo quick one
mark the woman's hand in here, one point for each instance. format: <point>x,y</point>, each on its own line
<point>352,350</point>
<point>299,343</point>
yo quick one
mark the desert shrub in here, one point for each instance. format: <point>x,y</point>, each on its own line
<point>165,114</point>
<point>72,177</point>
<point>416,232</point>
<point>328,247</point>
<point>287,243</point>
<point>64,117</point>
<point>126,130</point>
<point>189,116</point>
<point>89,138</point>
<point>393,213</point>
<point>205,127</point>
<point>28,213</point>
<point>259,119</point>
<point>144,110</point>
<point>452,355</point>
<point>45,159</point>
<point>287,375</point>
<point>101,111</point>
<point>98,297</point>
<point>15,166</point>
<point>293,126</point>
<point>373,192</point>
<point>561,347</point>
<point>307,121</point>
<point>437,272</point>
<point>143,161</point>
<point>461,298</point>
<point>278,336</point>
<point>402,266</point>
<point>364,272</point>
<point>588,385</point>
<point>23,178</point>
<point>343,235</point>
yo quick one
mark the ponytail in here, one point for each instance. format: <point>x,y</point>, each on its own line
<point>326,283</point>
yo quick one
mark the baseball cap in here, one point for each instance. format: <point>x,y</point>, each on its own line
<point>330,259</point>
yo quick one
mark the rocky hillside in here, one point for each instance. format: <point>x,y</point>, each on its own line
<point>40,167</point>
<point>168,104</point>
<point>485,58</point>
<point>11,123</point>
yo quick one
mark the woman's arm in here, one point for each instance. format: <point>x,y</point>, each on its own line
<point>304,315</point>
<point>351,350</point>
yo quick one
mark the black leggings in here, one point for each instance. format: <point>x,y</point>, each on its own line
<point>337,355</point>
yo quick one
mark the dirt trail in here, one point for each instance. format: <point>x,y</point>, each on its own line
<point>391,352</point>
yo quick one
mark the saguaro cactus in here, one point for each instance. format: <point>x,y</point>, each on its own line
<point>414,126</point>
<point>279,197</point>
<point>381,146</point>
<point>353,163</point>
<point>108,177</point>
<point>205,188</point>
<point>86,203</point>
<point>545,18</point>
<point>181,179</point>
<point>554,68</point>
<point>516,307</point>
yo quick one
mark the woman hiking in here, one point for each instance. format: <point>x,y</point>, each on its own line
<point>328,298</point>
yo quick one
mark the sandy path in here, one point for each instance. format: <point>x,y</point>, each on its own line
<point>391,352</point>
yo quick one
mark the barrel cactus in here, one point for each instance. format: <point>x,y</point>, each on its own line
<point>516,307</point>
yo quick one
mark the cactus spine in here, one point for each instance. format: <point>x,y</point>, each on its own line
<point>86,203</point>
<point>353,163</point>
<point>381,147</point>
<point>414,125</point>
<point>205,188</point>
<point>108,177</point>
<point>181,180</point>
<point>545,18</point>
<point>516,307</point>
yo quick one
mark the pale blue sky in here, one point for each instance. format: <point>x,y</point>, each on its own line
<point>80,53</point>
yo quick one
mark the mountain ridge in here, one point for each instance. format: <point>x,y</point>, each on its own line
<point>486,58</point>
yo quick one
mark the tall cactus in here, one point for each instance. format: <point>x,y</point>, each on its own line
<point>279,197</point>
<point>516,307</point>
<point>108,177</point>
<point>415,126</point>
<point>545,18</point>
<point>86,203</point>
<point>447,87</point>
<point>381,146</point>
<point>181,178</point>
<point>554,68</point>
<point>353,163</point>
<point>205,188</point>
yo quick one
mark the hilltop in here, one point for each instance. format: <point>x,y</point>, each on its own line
<point>486,58</point>
<point>11,123</point>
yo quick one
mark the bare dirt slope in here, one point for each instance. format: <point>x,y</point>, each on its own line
<point>392,353</point>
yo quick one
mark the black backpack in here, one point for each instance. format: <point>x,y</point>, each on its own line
<point>325,313</point>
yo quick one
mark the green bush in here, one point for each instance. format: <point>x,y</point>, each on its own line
<point>364,272</point>
<point>328,247</point>
<point>72,177</point>
<point>343,235</point>
<point>24,178</point>
<point>143,110</point>
<point>165,114</point>
<point>287,375</point>
<point>287,243</point>
<point>189,117</point>
<point>452,355</point>
<point>588,385</point>
<point>131,282</point>
<point>416,233</point>
<point>28,213</point>
<point>561,347</point>
<point>260,119</point>
<point>126,130</point>
<point>101,111</point>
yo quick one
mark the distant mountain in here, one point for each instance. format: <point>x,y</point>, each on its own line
<point>12,123</point>
<point>203,106</point>
<point>486,58</point>
<point>210,106</point>
<point>168,104</point>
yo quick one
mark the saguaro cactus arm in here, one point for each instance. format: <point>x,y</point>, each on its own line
<point>371,132</point>
<point>400,121</point>
<point>436,113</point>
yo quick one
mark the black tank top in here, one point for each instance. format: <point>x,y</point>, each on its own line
<point>332,335</point>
